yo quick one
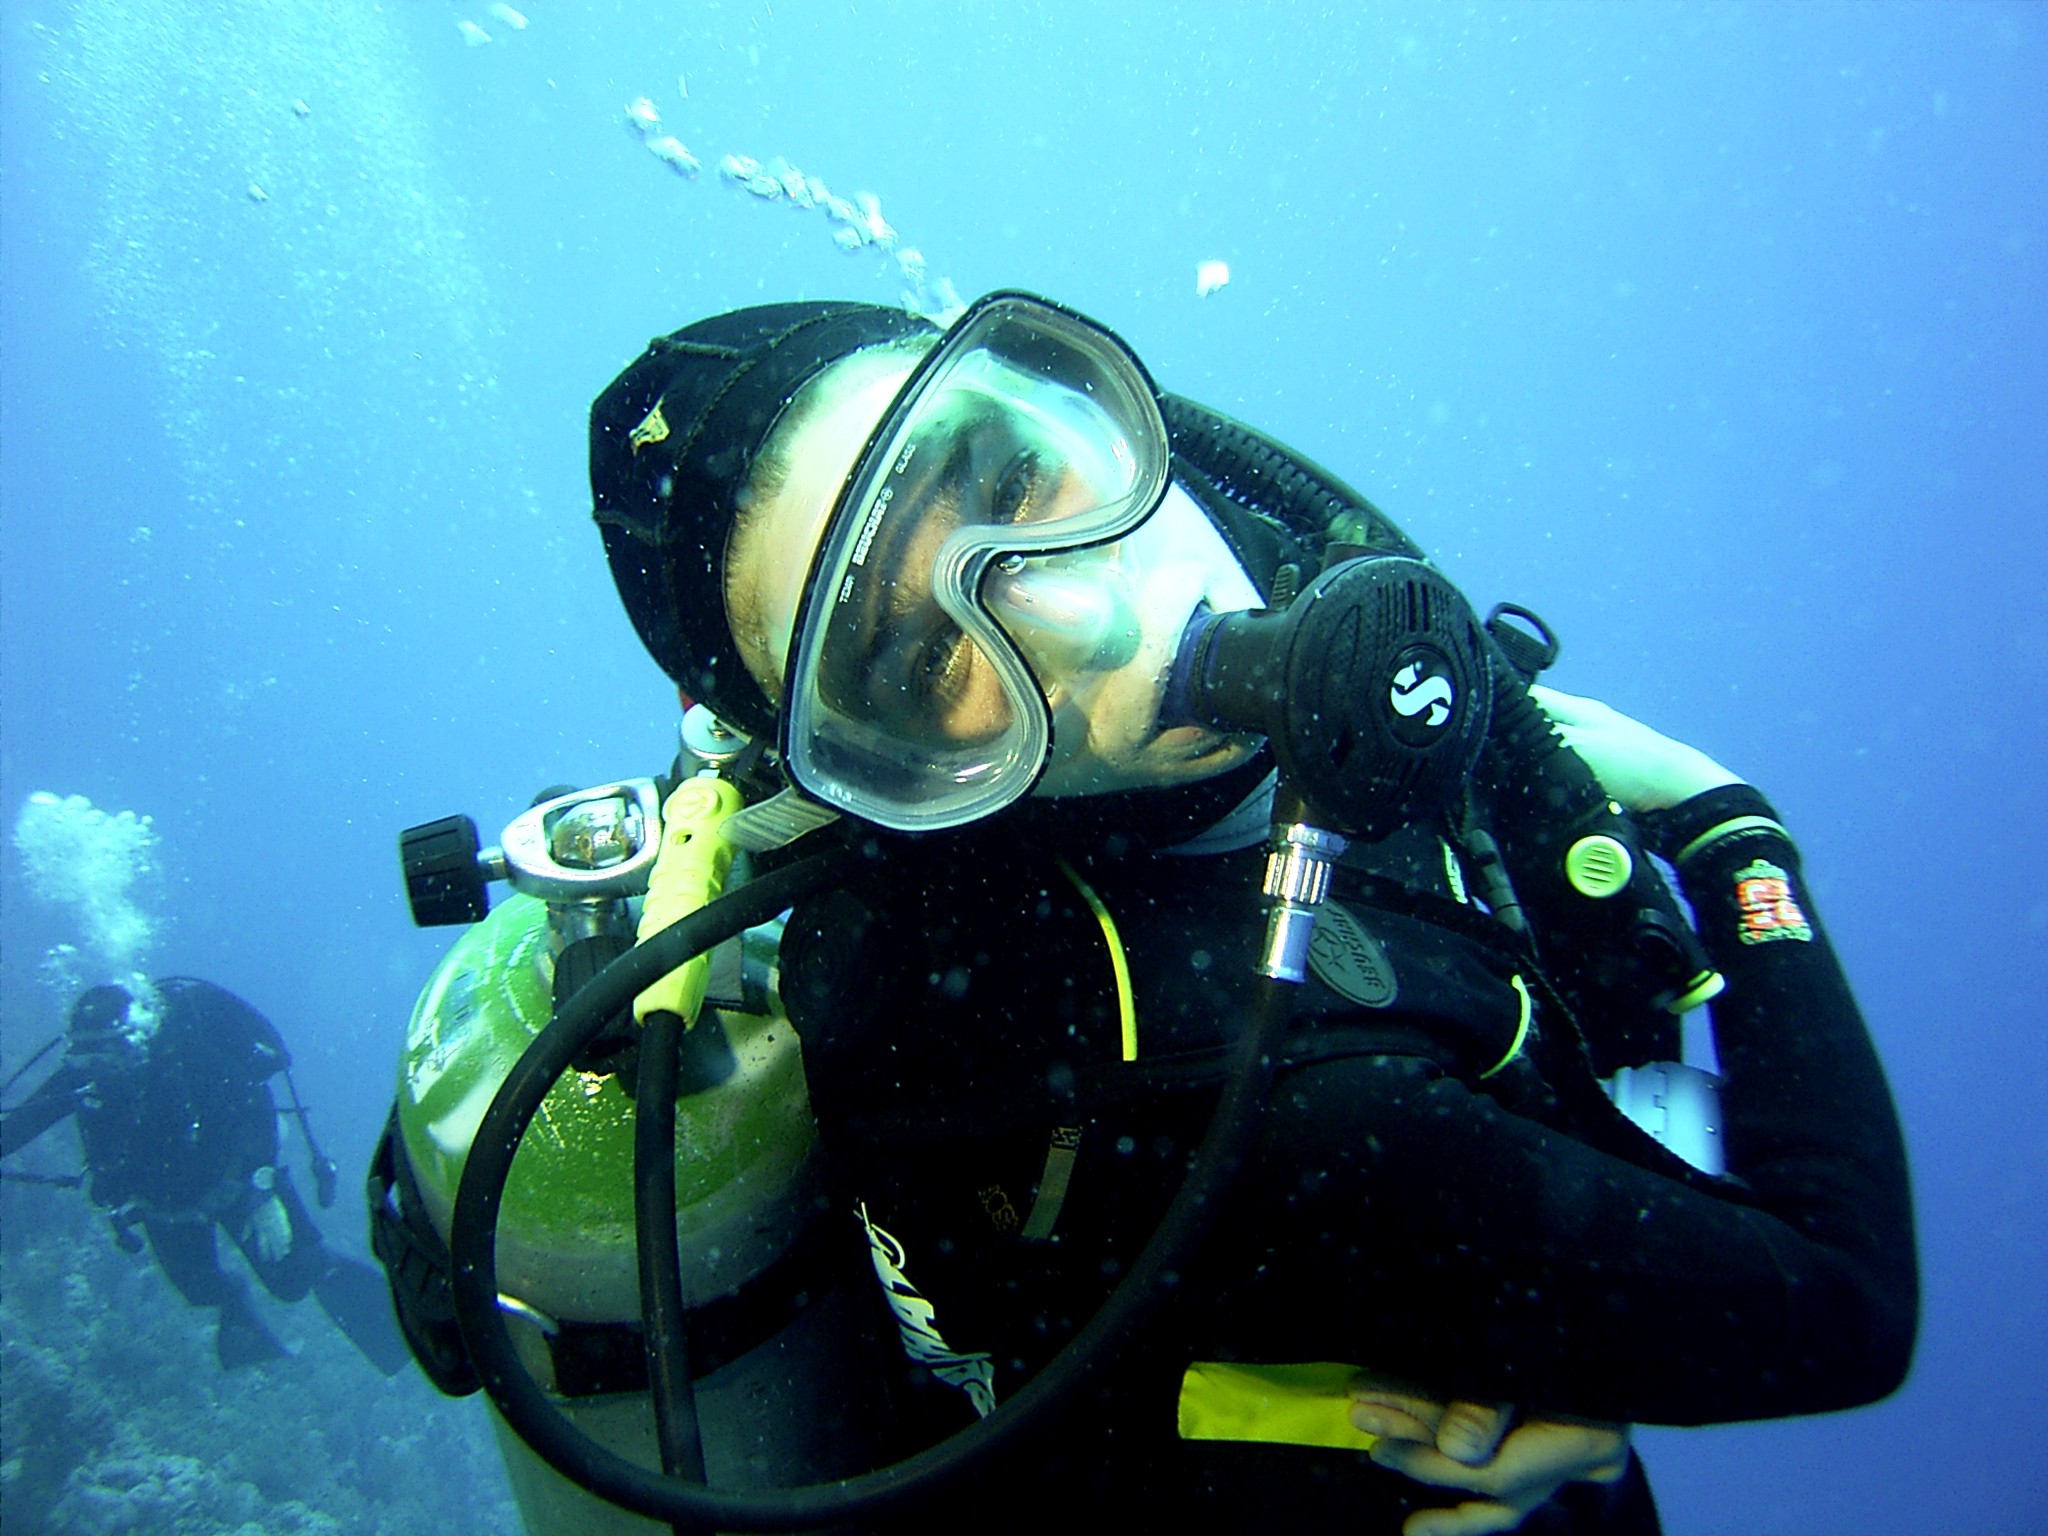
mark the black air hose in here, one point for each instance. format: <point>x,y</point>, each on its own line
<point>1540,787</point>
<point>663,1317</point>
<point>1272,480</point>
<point>1157,1271</point>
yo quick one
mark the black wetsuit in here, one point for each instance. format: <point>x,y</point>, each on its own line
<point>1502,1237</point>
<point>1507,1239</point>
<point>173,1142</point>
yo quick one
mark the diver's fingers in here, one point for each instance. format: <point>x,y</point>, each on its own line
<point>1478,1519</point>
<point>1395,1415</point>
<point>1422,1461</point>
<point>1471,1432</point>
<point>1544,1453</point>
<point>1534,1461</point>
<point>1465,1432</point>
<point>1572,708</point>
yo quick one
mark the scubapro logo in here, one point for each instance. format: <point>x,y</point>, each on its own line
<point>1422,691</point>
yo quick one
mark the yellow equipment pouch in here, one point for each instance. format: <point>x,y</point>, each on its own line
<point>1300,1404</point>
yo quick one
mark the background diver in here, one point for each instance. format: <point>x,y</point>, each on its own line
<point>172,1101</point>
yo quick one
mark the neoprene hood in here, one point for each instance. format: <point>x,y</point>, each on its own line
<point>673,440</point>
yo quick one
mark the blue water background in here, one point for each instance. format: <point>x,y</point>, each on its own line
<point>1714,333</point>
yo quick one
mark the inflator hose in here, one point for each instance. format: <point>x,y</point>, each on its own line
<point>1545,795</point>
<point>682,1502</point>
<point>1544,786</point>
<point>19,1072</point>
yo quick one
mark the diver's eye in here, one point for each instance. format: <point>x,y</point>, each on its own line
<point>1017,492</point>
<point>941,665</point>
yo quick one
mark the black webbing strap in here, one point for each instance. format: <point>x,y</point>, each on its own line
<point>417,1265</point>
<point>589,1359</point>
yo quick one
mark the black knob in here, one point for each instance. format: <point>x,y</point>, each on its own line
<point>444,883</point>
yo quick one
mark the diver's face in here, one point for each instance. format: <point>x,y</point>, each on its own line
<point>111,1050</point>
<point>1106,730</point>
<point>1097,627</point>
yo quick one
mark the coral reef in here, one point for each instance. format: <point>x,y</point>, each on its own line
<point>115,1417</point>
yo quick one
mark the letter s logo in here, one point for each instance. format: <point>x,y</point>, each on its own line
<point>1412,693</point>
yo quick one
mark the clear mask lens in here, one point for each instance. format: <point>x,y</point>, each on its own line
<point>1027,435</point>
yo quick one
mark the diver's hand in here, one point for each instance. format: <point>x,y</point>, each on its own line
<point>324,1177</point>
<point>1642,769</point>
<point>1469,1446</point>
<point>269,1231</point>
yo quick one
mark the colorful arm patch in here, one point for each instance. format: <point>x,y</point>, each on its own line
<point>1766,909</point>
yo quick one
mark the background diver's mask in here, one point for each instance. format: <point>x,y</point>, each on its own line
<point>109,1027</point>
<point>1001,555</point>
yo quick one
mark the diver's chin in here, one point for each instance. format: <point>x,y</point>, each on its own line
<point>1184,754</point>
<point>1186,743</point>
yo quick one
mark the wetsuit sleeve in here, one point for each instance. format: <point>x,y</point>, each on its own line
<point>1432,1233</point>
<point>54,1099</point>
<point>1810,1122</point>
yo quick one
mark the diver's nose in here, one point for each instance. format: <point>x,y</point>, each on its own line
<point>1064,619</point>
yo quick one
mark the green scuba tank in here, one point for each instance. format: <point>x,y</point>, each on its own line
<point>785,1397</point>
<point>745,1179</point>
<point>745,1170</point>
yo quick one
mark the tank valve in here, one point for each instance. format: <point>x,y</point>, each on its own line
<point>588,846</point>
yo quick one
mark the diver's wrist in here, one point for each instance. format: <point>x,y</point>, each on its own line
<point>1710,822</point>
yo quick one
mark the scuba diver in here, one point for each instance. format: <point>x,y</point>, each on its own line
<point>171,1094</point>
<point>1151,761</point>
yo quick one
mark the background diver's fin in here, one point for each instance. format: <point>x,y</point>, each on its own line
<point>241,1339</point>
<point>356,1297</point>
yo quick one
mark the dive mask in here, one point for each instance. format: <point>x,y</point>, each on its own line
<point>1027,434</point>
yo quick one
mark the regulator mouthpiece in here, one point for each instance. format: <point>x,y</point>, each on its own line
<point>1177,708</point>
<point>1372,687</point>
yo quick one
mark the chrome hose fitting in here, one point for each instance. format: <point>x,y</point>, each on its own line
<point>1297,877</point>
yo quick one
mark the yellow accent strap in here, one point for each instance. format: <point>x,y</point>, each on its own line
<point>1703,988</point>
<point>1306,1404</point>
<point>1722,831</point>
<point>1126,1006</point>
<point>1521,1028</point>
<point>689,870</point>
